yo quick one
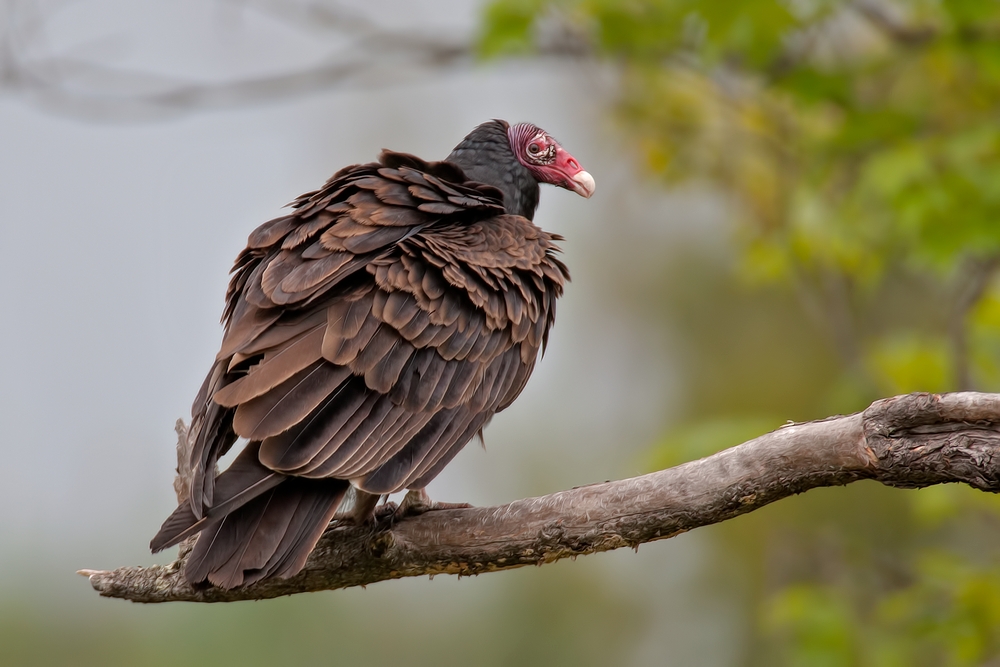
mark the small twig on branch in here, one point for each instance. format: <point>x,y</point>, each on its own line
<point>910,441</point>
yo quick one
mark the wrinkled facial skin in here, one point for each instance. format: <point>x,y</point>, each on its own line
<point>548,161</point>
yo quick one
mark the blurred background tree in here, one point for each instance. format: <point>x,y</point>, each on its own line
<point>857,144</point>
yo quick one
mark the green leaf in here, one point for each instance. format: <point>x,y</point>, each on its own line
<point>508,27</point>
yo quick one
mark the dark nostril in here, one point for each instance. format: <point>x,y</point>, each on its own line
<point>573,164</point>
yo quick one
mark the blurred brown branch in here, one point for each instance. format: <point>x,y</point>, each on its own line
<point>886,18</point>
<point>362,54</point>
<point>909,441</point>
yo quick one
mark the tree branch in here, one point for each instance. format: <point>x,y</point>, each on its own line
<point>907,441</point>
<point>362,55</point>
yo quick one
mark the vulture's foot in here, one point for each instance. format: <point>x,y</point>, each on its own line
<point>386,510</point>
<point>417,502</point>
<point>365,510</point>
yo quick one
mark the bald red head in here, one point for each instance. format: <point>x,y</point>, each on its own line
<point>547,160</point>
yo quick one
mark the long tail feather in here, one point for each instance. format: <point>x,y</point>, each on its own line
<point>272,535</point>
<point>243,481</point>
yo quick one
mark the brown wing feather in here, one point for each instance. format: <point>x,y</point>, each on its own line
<point>301,444</point>
<point>288,326</point>
<point>277,365</point>
<point>288,403</point>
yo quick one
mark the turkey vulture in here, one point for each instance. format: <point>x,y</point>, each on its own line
<point>369,335</point>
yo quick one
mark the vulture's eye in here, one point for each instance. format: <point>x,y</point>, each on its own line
<point>534,148</point>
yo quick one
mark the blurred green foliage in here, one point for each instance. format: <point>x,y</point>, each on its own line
<point>858,146</point>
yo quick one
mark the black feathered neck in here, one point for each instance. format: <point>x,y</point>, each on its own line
<point>485,156</point>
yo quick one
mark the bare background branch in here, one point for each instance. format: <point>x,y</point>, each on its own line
<point>360,54</point>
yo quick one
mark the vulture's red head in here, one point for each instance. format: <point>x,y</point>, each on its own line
<point>515,159</point>
<point>547,160</point>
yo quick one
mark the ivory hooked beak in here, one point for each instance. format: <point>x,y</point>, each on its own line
<point>583,184</point>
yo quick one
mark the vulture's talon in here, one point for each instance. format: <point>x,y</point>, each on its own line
<point>418,502</point>
<point>386,509</point>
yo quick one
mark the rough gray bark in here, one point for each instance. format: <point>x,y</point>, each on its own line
<point>909,441</point>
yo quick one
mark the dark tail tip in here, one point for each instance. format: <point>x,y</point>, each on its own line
<point>270,536</point>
